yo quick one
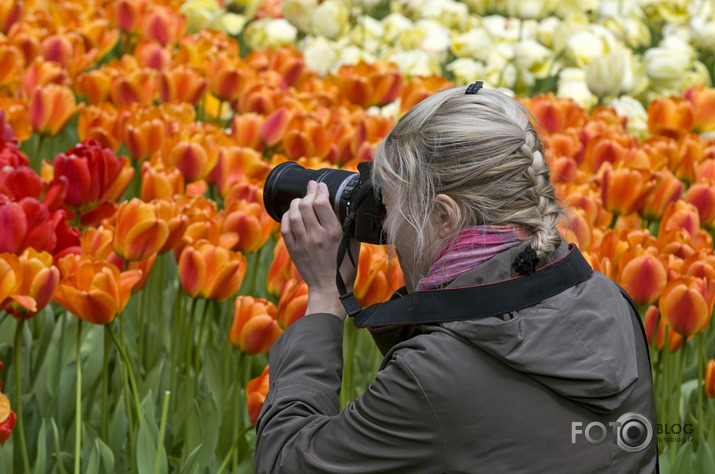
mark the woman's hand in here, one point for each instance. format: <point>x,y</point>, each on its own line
<point>312,234</point>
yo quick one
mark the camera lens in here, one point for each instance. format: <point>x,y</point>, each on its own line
<point>289,181</point>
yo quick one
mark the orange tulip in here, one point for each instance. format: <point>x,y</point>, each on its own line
<point>377,276</point>
<point>672,117</point>
<point>50,108</point>
<point>275,126</point>
<point>95,85</point>
<point>10,13</point>
<point>556,115</point>
<point>159,182</point>
<point>228,78</point>
<point>10,284</point>
<point>94,290</point>
<point>144,138</point>
<point>254,328</point>
<point>251,222</point>
<point>680,215</point>
<point>419,88</point>
<point>687,303</point>
<point>139,233</point>
<point>667,189</point>
<point>281,270</point>
<point>100,123</point>
<point>38,279</point>
<point>136,86</point>
<point>162,24</point>
<point>703,100</point>
<point>191,159</point>
<point>183,84</point>
<point>245,130</point>
<point>256,391</point>
<point>153,55</point>
<point>10,66</point>
<point>643,278</point>
<point>691,151</point>
<point>702,196</point>
<point>97,241</point>
<point>368,84</point>
<point>710,379</point>
<point>211,272</point>
<point>292,303</point>
<point>624,190</point>
<point>650,320</point>
<point>239,164</point>
<point>169,212</point>
<point>128,14</point>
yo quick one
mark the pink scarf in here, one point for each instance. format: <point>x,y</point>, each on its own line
<point>472,247</point>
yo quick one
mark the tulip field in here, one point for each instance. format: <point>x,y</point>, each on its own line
<point>142,282</point>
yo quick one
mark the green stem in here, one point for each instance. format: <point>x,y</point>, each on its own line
<point>348,388</point>
<point>234,447</point>
<point>162,432</point>
<point>701,370</point>
<point>78,402</point>
<point>187,368</point>
<point>105,389</point>
<point>18,390</point>
<point>130,373</point>
<point>197,359</point>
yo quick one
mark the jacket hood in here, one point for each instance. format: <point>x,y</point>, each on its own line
<point>578,343</point>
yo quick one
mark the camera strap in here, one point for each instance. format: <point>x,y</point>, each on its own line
<point>480,301</point>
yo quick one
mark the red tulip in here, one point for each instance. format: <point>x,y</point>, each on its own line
<point>8,418</point>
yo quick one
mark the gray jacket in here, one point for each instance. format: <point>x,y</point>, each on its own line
<point>533,391</point>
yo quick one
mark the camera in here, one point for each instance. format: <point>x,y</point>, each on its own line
<point>355,199</point>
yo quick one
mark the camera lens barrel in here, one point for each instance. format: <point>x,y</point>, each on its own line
<point>289,181</point>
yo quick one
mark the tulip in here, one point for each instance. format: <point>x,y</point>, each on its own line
<point>50,108</point>
<point>239,164</point>
<point>182,83</point>
<point>10,284</point>
<point>624,190</point>
<point>292,303</point>
<point>370,84</point>
<point>256,391</point>
<point>227,80</point>
<point>28,223</point>
<point>10,13</point>
<point>94,290</point>
<point>8,418</point>
<point>245,130</point>
<point>20,182</point>
<point>672,117</point>
<point>275,125</point>
<point>691,151</point>
<point>10,65</point>
<point>251,222</point>
<point>211,272</point>
<point>100,123</point>
<point>254,328</point>
<point>667,189</point>
<point>144,138</point>
<point>159,182</point>
<point>281,270</point>
<point>191,159</point>
<point>97,241</point>
<point>687,303</point>
<point>169,212</point>
<point>95,85</point>
<point>702,196</point>
<point>703,101</point>
<point>650,320</point>
<point>710,379</point>
<point>93,174</point>
<point>128,14</point>
<point>377,277</point>
<point>38,279</point>
<point>137,86</point>
<point>663,152</point>
<point>643,278</point>
<point>162,24</point>
<point>556,115</point>
<point>139,233</point>
<point>680,215</point>
<point>153,55</point>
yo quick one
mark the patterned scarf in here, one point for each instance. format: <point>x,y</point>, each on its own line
<point>472,247</point>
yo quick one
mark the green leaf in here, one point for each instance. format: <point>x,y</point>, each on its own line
<point>93,461</point>
<point>704,461</point>
<point>41,458</point>
<point>106,456</point>
<point>683,459</point>
<point>146,449</point>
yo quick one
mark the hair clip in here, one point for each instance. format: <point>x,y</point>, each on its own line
<point>526,262</point>
<point>474,87</point>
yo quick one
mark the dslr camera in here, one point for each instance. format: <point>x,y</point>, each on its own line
<point>356,200</point>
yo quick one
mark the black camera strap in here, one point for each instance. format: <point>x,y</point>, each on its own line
<point>473,302</point>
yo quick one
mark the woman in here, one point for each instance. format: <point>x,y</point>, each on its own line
<point>560,385</point>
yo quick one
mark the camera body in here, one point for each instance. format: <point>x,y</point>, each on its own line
<point>356,200</point>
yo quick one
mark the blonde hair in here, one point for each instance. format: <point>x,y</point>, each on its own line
<point>479,149</point>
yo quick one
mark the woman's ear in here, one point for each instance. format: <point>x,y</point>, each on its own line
<point>447,213</point>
